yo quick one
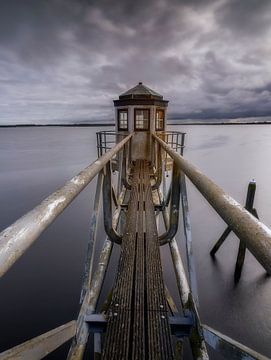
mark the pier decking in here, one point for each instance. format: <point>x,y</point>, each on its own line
<point>138,326</point>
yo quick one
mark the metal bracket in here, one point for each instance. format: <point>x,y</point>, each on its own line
<point>181,326</point>
<point>96,322</point>
<point>159,207</point>
<point>124,206</point>
<point>107,206</point>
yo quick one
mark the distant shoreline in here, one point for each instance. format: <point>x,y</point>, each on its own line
<point>54,125</point>
<point>226,123</point>
<point>110,124</point>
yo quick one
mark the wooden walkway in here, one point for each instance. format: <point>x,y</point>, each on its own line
<point>138,326</point>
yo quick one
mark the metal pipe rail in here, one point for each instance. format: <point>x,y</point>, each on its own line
<point>16,239</point>
<point>35,348</point>
<point>254,233</point>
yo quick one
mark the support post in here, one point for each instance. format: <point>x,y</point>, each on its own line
<point>107,206</point>
<point>97,346</point>
<point>256,235</point>
<point>174,207</point>
<point>196,339</point>
<point>188,241</point>
<point>92,238</point>
<point>124,179</point>
<point>220,241</point>
<point>158,173</point>
<point>242,246</point>
<point>91,298</point>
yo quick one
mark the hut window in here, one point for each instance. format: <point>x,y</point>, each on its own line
<point>160,120</point>
<point>123,119</point>
<point>142,118</point>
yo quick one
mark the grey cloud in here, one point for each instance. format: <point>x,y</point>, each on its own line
<point>246,18</point>
<point>66,60</point>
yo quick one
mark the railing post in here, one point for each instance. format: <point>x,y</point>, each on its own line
<point>92,238</point>
<point>188,241</point>
<point>242,246</point>
<point>174,207</point>
<point>158,173</point>
<point>107,206</point>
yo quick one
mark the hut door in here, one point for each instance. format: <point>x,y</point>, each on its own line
<point>141,139</point>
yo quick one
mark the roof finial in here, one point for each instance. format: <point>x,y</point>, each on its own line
<point>140,83</point>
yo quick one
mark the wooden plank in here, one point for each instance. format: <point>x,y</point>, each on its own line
<point>138,325</point>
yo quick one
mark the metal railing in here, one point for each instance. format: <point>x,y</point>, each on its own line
<point>107,139</point>
<point>20,235</point>
<point>15,240</point>
<point>248,228</point>
<point>175,139</point>
<point>254,233</point>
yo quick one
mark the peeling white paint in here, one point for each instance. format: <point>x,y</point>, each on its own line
<point>6,235</point>
<point>97,162</point>
<point>51,207</point>
<point>77,181</point>
<point>265,228</point>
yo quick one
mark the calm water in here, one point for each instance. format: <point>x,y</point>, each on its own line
<point>42,289</point>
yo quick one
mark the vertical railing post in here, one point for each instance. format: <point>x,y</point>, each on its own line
<point>174,207</point>
<point>107,206</point>
<point>188,241</point>
<point>92,238</point>
<point>242,246</point>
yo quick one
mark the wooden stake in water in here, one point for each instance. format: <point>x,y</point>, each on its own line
<point>242,247</point>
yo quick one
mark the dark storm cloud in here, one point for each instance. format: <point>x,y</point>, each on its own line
<point>247,18</point>
<point>66,60</point>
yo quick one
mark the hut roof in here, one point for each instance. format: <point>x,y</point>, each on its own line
<point>141,91</point>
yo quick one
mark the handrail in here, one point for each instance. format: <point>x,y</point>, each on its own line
<point>254,233</point>
<point>42,345</point>
<point>16,239</point>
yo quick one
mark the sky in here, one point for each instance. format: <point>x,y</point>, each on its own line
<point>64,61</point>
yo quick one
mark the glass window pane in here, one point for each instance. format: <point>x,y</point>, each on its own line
<point>123,119</point>
<point>141,119</point>
<point>159,124</point>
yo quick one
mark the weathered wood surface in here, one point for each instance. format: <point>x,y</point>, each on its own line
<point>138,326</point>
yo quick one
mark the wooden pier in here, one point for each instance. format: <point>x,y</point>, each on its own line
<point>141,320</point>
<point>138,326</point>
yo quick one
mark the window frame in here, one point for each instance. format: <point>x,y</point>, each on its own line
<point>141,109</point>
<point>126,111</point>
<point>156,127</point>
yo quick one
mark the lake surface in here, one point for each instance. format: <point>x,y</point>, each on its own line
<point>41,291</point>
